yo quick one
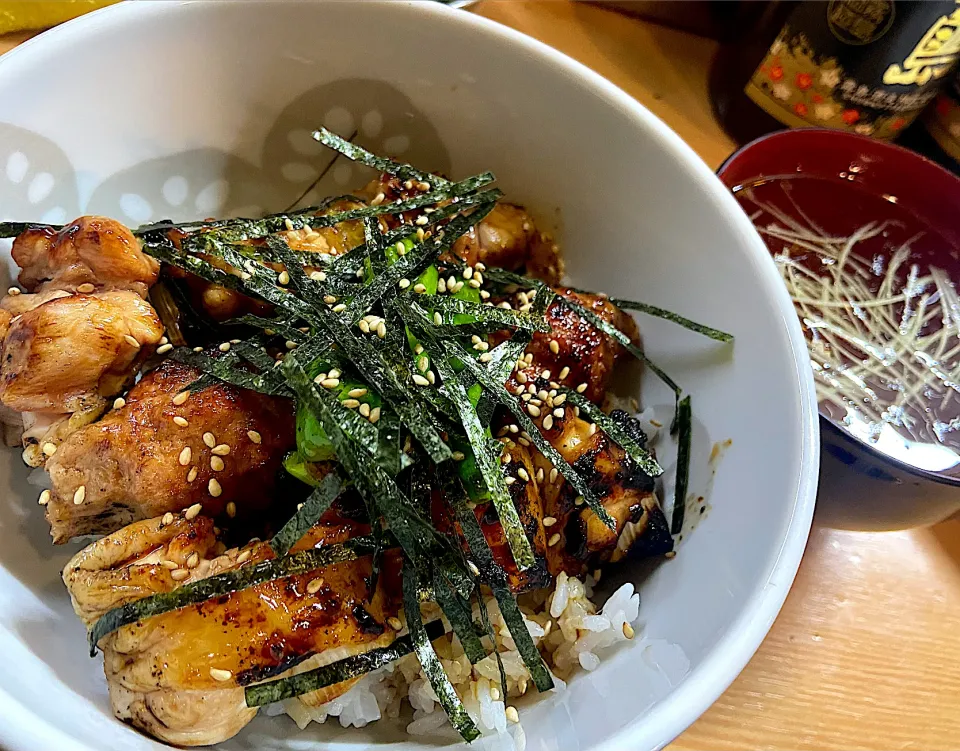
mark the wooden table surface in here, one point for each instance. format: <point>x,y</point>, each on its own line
<point>866,651</point>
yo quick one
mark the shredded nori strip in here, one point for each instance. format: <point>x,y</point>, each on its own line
<point>432,667</point>
<point>684,423</point>
<point>334,673</point>
<point>653,310</point>
<point>496,579</point>
<point>609,426</point>
<point>536,437</point>
<point>416,535</point>
<point>613,331</point>
<point>358,154</point>
<point>459,615</point>
<point>451,306</point>
<point>227,583</point>
<point>12,229</point>
<point>309,513</point>
<point>225,369</point>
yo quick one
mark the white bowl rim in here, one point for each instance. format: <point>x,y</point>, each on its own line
<point>731,654</point>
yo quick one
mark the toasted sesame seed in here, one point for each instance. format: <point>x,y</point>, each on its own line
<point>540,474</point>
<point>119,402</point>
<point>357,392</point>
<point>186,453</point>
<point>458,456</point>
<point>441,286</point>
<point>546,631</point>
<point>558,413</point>
<point>473,568</point>
<point>578,501</point>
<point>290,344</point>
<point>533,410</point>
<point>216,464</point>
<point>193,511</point>
<point>382,329</point>
<point>363,326</point>
<point>511,480</point>
<point>565,372</point>
<point>179,574</point>
<point>44,498</point>
<point>318,276</point>
<point>549,521</point>
<point>543,395</point>
<point>554,539</point>
<point>220,675</point>
<point>198,349</point>
<point>365,409</point>
<point>213,487</point>
<point>193,561</point>
<point>523,474</point>
<point>555,346</point>
<point>401,248</point>
<point>374,414</point>
<point>437,319</point>
<point>553,474</point>
<point>593,428</point>
<point>505,457</point>
<point>221,449</point>
<point>131,341</point>
<point>513,429</point>
<point>283,277</point>
<point>350,403</point>
<point>169,565</point>
<point>314,586</point>
<point>244,556</point>
<point>334,373</point>
<point>394,623</point>
<point>209,439</point>
<point>670,554</point>
<point>512,714</point>
<point>377,199</point>
<point>486,357</point>
<point>431,377</point>
<point>254,436</point>
<point>403,283</point>
<point>79,494</point>
<point>628,630</point>
<point>420,380</point>
<point>329,299</point>
<point>181,398</point>
<point>581,388</point>
<point>576,411</point>
<point>475,283</point>
<point>339,308</point>
<point>192,474</point>
<point>181,421</point>
<point>49,449</point>
<point>559,399</point>
<point>423,364</point>
<point>419,288</point>
<point>164,348</point>
<point>13,291</point>
<point>521,377</point>
<point>86,288</point>
<point>330,383</point>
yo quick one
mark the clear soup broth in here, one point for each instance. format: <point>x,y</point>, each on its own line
<point>874,288</point>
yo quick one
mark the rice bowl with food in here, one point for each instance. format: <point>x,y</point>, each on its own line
<point>182,656</point>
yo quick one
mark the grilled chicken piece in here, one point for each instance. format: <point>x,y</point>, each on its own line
<point>138,462</point>
<point>179,675</point>
<point>69,349</point>
<point>92,250</point>
<point>584,354</point>
<point>507,238</point>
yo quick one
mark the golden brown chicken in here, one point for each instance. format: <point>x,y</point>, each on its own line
<point>165,450</point>
<point>80,334</point>
<point>179,675</point>
<point>93,251</point>
<point>68,350</point>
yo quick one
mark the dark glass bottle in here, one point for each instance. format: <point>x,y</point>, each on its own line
<point>866,66</point>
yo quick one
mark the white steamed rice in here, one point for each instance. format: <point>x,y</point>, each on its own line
<point>565,625</point>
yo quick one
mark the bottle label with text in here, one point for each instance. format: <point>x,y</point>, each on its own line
<point>866,66</point>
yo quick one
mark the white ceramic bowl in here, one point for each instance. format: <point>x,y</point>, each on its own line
<point>161,109</point>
